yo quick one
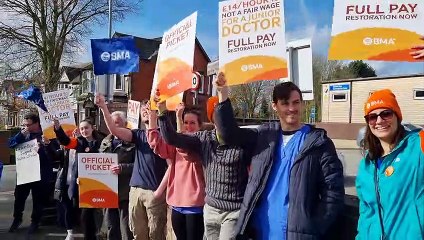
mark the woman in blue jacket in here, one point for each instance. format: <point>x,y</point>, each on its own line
<point>390,181</point>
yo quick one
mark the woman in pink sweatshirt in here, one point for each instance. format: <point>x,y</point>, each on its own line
<point>186,183</point>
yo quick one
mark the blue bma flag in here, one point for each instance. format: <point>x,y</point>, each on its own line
<point>114,55</point>
<point>34,95</point>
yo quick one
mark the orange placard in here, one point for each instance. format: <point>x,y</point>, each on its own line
<point>174,66</point>
<point>98,186</point>
<point>252,44</point>
<point>377,30</point>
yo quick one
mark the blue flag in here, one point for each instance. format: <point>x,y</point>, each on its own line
<point>114,55</point>
<point>34,95</point>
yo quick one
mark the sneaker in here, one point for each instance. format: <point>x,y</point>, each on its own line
<point>15,225</point>
<point>32,228</point>
<point>70,236</point>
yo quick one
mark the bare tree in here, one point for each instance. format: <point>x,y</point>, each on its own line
<point>36,35</point>
<point>247,98</point>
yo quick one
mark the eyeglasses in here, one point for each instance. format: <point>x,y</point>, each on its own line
<point>27,124</point>
<point>372,117</point>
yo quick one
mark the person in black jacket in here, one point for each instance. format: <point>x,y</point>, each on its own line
<point>296,187</point>
<point>88,142</point>
<point>32,130</point>
<point>66,187</point>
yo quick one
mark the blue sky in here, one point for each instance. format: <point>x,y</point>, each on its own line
<point>304,19</point>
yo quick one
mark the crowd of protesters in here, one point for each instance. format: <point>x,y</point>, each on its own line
<point>282,180</point>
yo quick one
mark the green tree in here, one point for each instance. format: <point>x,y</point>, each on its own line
<point>361,69</point>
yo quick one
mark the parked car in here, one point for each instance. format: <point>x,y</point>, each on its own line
<point>361,135</point>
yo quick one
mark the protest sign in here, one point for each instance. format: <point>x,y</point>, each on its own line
<point>98,186</point>
<point>58,106</point>
<point>27,162</point>
<point>171,102</point>
<point>376,30</point>
<point>133,114</point>
<point>252,41</point>
<point>175,57</point>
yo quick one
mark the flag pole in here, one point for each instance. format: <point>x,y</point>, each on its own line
<point>109,96</point>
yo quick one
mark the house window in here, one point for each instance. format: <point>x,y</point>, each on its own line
<point>339,97</point>
<point>201,89</point>
<point>419,94</point>
<point>119,85</point>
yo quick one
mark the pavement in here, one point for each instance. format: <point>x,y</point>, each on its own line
<point>7,186</point>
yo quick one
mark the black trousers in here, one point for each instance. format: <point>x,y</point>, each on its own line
<point>117,222</point>
<point>39,197</point>
<point>91,222</point>
<point>67,212</point>
<point>187,226</point>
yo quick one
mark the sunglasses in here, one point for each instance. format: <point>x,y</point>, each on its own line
<point>372,117</point>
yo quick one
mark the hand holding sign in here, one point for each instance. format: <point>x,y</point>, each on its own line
<point>419,51</point>
<point>116,169</point>
<point>221,87</point>
<point>180,110</point>
<point>160,105</point>
<point>56,124</point>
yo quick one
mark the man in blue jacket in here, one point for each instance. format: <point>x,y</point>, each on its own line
<point>32,130</point>
<point>296,188</point>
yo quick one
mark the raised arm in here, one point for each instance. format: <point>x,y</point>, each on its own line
<point>228,130</point>
<point>121,133</point>
<point>170,135</point>
<point>62,138</point>
<point>155,140</point>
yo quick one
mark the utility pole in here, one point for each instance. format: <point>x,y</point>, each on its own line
<point>109,95</point>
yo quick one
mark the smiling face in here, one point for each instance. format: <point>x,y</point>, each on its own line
<point>191,123</point>
<point>383,124</point>
<point>289,111</point>
<point>86,129</point>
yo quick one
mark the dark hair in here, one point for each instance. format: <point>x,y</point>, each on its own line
<point>373,145</point>
<point>95,134</point>
<point>282,91</point>
<point>195,111</point>
<point>33,117</point>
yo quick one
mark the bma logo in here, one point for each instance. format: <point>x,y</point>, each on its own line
<point>173,84</point>
<point>379,41</point>
<point>373,103</point>
<point>101,200</point>
<point>249,67</point>
<point>115,56</point>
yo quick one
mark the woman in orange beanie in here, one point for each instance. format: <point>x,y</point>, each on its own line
<point>391,175</point>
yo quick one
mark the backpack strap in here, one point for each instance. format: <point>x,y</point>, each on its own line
<point>422,140</point>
